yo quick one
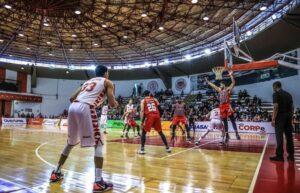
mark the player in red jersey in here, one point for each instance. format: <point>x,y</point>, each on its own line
<point>179,117</point>
<point>225,106</point>
<point>129,116</point>
<point>150,116</point>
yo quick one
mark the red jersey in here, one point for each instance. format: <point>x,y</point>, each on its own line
<point>151,106</point>
<point>224,96</point>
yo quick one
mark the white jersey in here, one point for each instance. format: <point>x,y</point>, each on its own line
<point>129,108</point>
<point>92,92</point>
<point>104,110</point>
<point>215,114</point>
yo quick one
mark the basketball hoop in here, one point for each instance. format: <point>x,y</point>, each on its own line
<point>218,71</point>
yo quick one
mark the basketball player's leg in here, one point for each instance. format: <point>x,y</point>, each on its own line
<point>73,139</point>
<point>100,185</point>
<point>232,119</point>
<point>147,124</point>
<point>157,126</point>
<point>173,128</point>
<point>225,122</point>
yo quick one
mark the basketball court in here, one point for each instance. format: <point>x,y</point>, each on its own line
<point>30,155</point>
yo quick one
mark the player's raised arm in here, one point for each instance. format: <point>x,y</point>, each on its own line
<point>232,81</point>
<point>213,85</point>
<point>142,111</point>
<point>75,94</point>
<point>110,94</point>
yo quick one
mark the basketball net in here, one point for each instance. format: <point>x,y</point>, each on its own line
<point>218,71</point>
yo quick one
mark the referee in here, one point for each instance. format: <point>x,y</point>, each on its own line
<point>282,121</point>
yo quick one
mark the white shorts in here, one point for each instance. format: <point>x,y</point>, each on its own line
<point>215,124</point>
<point>103,120</point>
<point>126,120</point>
<point>83,125</point>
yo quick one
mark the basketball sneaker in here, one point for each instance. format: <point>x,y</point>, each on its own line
<point>56,176</point>
<point>168,150</point>
<point>141,152</point>
<point>197,143</point>
<point>102,186</point>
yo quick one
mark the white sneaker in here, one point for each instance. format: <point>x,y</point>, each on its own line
<point>168,150</point>
<point>141,152</point>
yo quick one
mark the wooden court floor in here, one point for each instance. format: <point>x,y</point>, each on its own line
<point>28,155</point>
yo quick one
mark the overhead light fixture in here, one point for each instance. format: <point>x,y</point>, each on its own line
<point>274,16</point>
<point>161,28</point>
<point>28,48</point>
<point>10,55</point>
<point>74,35</point>
<point>71,49</point>
<point>93,67</point>
<point>50,54</point>
<point>263,8</point>
<point>7,6</point>
<point>67,72</point>
<point>125,37</point>
<point>194,1</point>
<point>249,33</point>
<point>103,25</point>
<point>205,18</point>
<point>77,12</point>
<point>46,24</point>
<point>21,35</point>
<point>188,57</point>
<point>166,61</point>
<point>48,43</point>
<point>22,68</point>
<point>207,51</point>
<point>95,44</point>
<point>72,67</point>
<point>144,15</point>
<point>1,40</point>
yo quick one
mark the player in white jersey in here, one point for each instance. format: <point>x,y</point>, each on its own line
<point>215,123</point>
<point>128,109</point>
<point>83,123</point>
<point>103,118</point>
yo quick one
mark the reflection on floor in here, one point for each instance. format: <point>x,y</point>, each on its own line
<point>28,156</point>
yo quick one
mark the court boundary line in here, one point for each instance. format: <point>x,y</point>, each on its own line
<point>255,176</point>
<point>179,152</point>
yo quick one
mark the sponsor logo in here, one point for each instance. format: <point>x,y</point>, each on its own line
<point>152,86</point>
<point>13,121</point>
<point>246,127</point>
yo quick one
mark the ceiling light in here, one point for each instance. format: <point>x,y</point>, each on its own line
<point>103,25</point>
<point>166,61</point>
<point>144,15</point>
<point>22,68</point>
<point>274,16</point>
<point>10,55</point>
<point>95,44</point>
<point>77,12</point>
<point>74,35</point>
<point>194,1</point>
<point>205,18</point>
<point>67,72</point>
<point>21,35</point>
<point>46,24</point>
<point>72,67</point>
<point>7,6</point>
<point>50,54</point>
<point>188,57</point>
<point>28,48</point>
<point>249,33</point>
<point>207,51</point>
<point>161,28</point>
<point>125,37</point>
<point>48,43</point>
<point>263,8</point>
<point>93,67</point>
<point>1,40</point>
<point>71,49</point>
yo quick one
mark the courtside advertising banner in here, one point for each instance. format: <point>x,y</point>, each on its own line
<point>50,122</point>
<point>35,121</point>
<point>13,121</point>
<point>243,127</point>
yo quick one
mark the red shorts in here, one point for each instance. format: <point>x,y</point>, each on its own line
<point>225,110</point>
<point>131,123</point>
<point>179,119</point>
<point>152,121</point>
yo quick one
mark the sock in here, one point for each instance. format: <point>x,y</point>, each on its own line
<point>98,174</point>
<point>58,169</point>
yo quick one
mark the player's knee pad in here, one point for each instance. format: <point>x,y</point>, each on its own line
<point>66,151</point>
<point>99,151</point>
